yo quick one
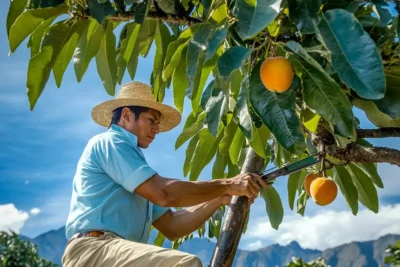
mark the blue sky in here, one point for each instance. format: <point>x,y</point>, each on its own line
<point>40,150</point>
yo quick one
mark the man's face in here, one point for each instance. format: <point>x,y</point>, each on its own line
<point>145,127</point>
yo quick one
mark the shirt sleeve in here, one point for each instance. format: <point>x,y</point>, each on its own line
<point>122,162</point>
<point>158,212</point>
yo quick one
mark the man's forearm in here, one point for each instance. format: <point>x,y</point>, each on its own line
<point>186,221</point>
<point>187,194</point>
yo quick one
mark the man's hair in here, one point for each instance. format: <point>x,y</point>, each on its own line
<point>135,109</point>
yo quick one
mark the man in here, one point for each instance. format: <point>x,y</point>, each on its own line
<point>117,196</point>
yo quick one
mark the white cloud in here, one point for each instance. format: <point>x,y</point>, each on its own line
<point>11,218</point>
<point>329,228</point>
<point>35,211</point>
<point>254,246</point>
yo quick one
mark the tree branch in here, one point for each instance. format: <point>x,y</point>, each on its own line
<point>378,133</point>
<point>153,15</point>
<point>354,152</point>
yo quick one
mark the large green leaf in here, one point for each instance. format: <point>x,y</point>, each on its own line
<point>354,54</point>
<point>366,190</point>
<point>218,170</point>
<point>195,58</point>
<point>204,153</point>
<point>390,104</point>
<point>245,122</point>
<point>131,36</point>
<point>292,184</point>
<point>67,52</point>
<point>87,48</point>
<point>141,11</point>
<point>106,60</point>
<point>236,146</point>
<point>215,42</point>
<point>37,36</point>
<point>343,179</point>
<point>188,133</point>
<point>254,15</point>
<point>216,107</point>
<point>180,83</point>
<point>41,64</point>
<point>189,154</point>
<point>374,115</point>
<point>232,59</point>
<point>322,94</point>
<point>100,11</point>
<point>305,14</point>
<point>226,142</point>
<point>175,59</point>
<point>371,170</point>
<point>29,20</point>
<point>273,205</point>
<point>302,203</point>
<point>16,8</point>
<point>277,112</point>
<point>258,142</point>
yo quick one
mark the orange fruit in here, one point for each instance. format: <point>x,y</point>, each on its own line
<point>307,182</point>
<point>323,191</point>
<point>276,74</point>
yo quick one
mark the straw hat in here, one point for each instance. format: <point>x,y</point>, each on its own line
<point>136,94</point>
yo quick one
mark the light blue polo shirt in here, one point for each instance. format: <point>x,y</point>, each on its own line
<point>103,196</point>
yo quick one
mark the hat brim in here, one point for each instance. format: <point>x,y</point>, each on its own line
<point>170,117</point>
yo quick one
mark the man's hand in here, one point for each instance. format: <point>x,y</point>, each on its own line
<point>246,184</point>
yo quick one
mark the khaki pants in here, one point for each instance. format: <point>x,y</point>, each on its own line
<point>112,251</point>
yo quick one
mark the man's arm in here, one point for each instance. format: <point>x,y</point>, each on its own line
<point>174,225</point>
<point>176,193</point>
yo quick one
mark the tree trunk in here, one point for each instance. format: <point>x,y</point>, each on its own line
<point>232,229</point>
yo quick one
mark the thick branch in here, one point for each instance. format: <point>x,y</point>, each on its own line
<point>378,133</point>
<point>354,152</point>
<point>153,15</point>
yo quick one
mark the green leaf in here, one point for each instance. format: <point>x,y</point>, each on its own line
<point>273,205</point>
<point>166,5</point>
<point>372,171</point>
<point>374,115</point>
<point>257,144</point>
<point>236,146</point>
<point>87,48</point>
<point>219,14</point>
<point>354,54</point>
<point>175,59</point>
<point>232,59</point>
<point>180,83</point>
<point>292,184</point>
<point>216,107</point>
<point>141,11</point>
<point>390,104</point>
<point>195,58</point>
<point>343,179</point>
<point>28,21</point>
<point>189,154</point>
<point>159,241</point>
<point>302,202</point>
<point>322,94</point>
<point>50,3</point>
<point>206,94</point>
<point>188,133</point>
<point>310,120</point>
<point>41,64</point>
<point>305,14</point>
<point>245,122</point>
<point>100,11</point>
<point>106,60</point>
<point>204,153</point>
<point>227,140</point>
<point>67,51</point>
<point>277,112</point>
<point>215,42</point>
<point>37,36</point>
<point>254,16</point>
<point>131,37</point>
<point>16,8</point>
<point>218,170</point>
<point>366,190</point>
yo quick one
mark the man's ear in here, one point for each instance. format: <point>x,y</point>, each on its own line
<point>125,114</point>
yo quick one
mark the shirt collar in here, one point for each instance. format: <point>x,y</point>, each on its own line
<point>128,134</point>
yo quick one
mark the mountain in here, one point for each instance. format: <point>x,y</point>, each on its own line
<point>355,254</point>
